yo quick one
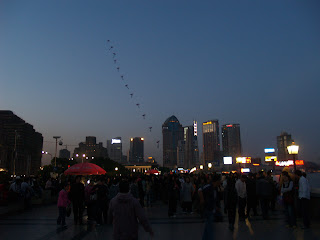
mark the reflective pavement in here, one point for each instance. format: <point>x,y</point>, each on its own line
<point>40,224</point>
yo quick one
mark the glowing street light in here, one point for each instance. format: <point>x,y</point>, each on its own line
<point>116,169</point>
<point>293,150</point>
<point>201,167</point>
<point>209,165</point>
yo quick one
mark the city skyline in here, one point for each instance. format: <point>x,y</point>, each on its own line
<point>255,64</point>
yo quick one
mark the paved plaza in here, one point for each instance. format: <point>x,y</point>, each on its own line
<point>40,224</point>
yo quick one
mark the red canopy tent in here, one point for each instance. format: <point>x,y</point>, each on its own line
<point>85,169</point>
<point>153,171</point>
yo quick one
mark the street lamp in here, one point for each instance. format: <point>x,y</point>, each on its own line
<point>83,156</point>
<point>116,168</point>
<point>209,165</point>
<point>201,167</point>
<point>293,150</point>
<point>55,155</point>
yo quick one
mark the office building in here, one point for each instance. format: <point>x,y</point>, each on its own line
<point>172,132</point>
<point>114,147</point>
<point>64,153</point>
<point>181,152</point>
<point>190,136</point>
<point>211,142</point>
<point>231,140</point>
<point>136,152</point>
<point>283,141</point>
<point>20,145</point>
<point>89,149</point>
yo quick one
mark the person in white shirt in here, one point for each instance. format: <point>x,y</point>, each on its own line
<point>304,198</point>
<point>242,196</point>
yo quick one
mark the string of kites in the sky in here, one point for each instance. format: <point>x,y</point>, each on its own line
<point>112,50</point>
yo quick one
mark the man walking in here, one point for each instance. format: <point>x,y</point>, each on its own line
<point>125,213</point>
<point>304,198</point>
<point>242,196</point>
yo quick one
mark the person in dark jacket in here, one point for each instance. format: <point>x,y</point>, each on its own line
<point>102,191</point>
<point>231,201</point>
<point>173,191</point>
<point>264,192</point>
<point>251,195</point>
<point>77,197</point>
<point>125,213</point>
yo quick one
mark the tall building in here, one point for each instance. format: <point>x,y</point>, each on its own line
<point>181,152</point>
<point>64,153</point>
<point>136,153</point>
<point>90,149</point>
<point>190,136</point>
<point>114,147</point>
<point>172,132</point>
<point>211,142</point>
<point>231,140</point>
<point>283,141</point>
<point>20,145</point>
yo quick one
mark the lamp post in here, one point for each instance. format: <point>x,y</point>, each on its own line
<point>209,166</point>
<point>55,155</point>
<point>293,150</point>
<point>83,156</point>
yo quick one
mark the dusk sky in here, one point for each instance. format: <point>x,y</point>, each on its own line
<point>256,63</point>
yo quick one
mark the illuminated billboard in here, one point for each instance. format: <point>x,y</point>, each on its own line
<point>270,158</point>
<point>227,160</point>
<point>284,163</point>
<point>243,160</point>
<point>245,170</point>
<point>269,150</point>
<point>115,140</point>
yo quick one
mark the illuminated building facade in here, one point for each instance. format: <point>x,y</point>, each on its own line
<point>283,141</point>
<point>211,142</point>
<point>136,152</point>
<point>231,140</point>
<point>19,144</point>
<point>172,132</point>
<point>191,155</point>
<point>114,147</point>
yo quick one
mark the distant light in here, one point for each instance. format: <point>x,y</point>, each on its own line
<point>193,169</point>
<point>256,164</point>
<point>201,167</point>
<point>83,155</point>
<point>115,140</point>
<point>284,163</point>
<point>77,155</point>
<point>245,170</point>
<point>269,150</point>
<point>207,123</point>
<point>92,158</point>
<point>86,157</point>
<point>42,152</point>
<point>180,169</point>
<point>142,139</point>
<point>131,139</point>
<point>243,160</point>
<point>134,170</point>
<point>116,168</point>
<point>230,125</point>
<point>209,165</point>
<point>227,160</point>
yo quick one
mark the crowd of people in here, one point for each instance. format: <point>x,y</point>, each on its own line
<point>120,200</point>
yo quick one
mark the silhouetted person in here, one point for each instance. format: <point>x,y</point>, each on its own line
<point>125,213</point>
<point>77,197</point>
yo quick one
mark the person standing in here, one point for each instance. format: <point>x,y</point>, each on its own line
<point>304,198</point>
<point>264,192</point>
<point>251,195</point>
<point>242,196</point>
<point>77,198</point>
<point>208,196</point>
<point>102,192</point>
<point>231,200</point>
<point>125,213</point>
<point>63,202</point>
<point>186,195</point>
<point>288,199</point>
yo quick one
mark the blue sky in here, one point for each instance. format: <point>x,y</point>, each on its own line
<point>255,63</point>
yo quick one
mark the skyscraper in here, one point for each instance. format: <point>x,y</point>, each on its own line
<point>231,140</point>
<point>283,141</point>
<point>211,142</point>
<point>136,154</point>
<point>190,136</point>
<point>114,147</point>
<point>172,132</point>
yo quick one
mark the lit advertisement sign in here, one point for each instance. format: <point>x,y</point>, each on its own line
<point>245,170</point>
<point>269,150</point>
<point>284,163</point>
<point>270,158</point>
<point>243,160</point>
<point>299,162</point>
<point>195,128</point>
<point>115,140</point>
<point>227,160</point>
